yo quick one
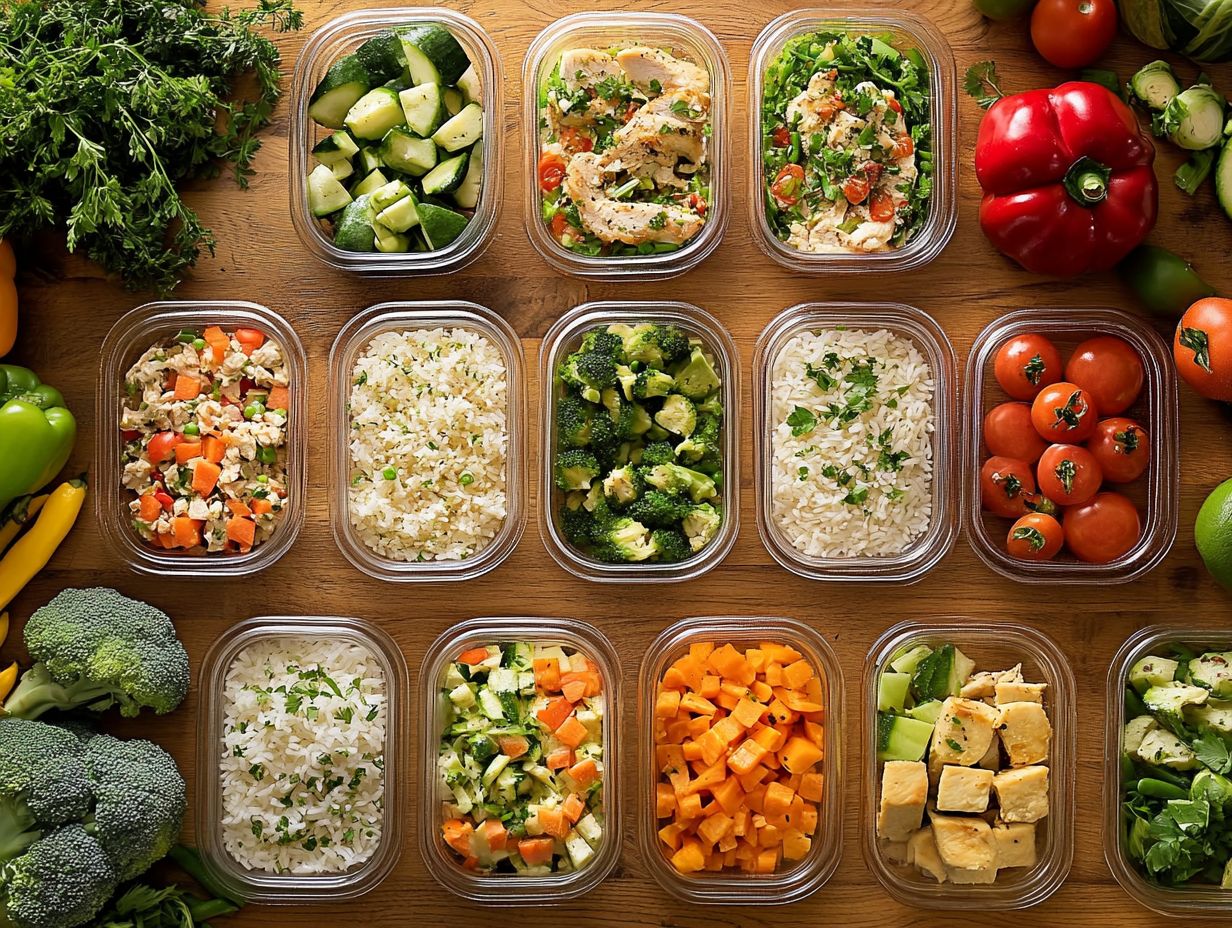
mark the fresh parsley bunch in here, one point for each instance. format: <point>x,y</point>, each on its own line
<point>107,105</point>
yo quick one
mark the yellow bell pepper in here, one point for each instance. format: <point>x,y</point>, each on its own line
<point>33,550</point>
<point>8,677</point>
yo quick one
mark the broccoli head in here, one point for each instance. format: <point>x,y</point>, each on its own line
<point>602,341</point>
<point>701,525</point>
<point>62,881</point>
<point>43,782</point>
<point>672,478</point>
<point>673,343</point>
<point>650,383</point>
<point>678,415</point>
<point>573,422</point>
<point>658,452</point>
<point>577,525</point>
<point>575,469</point>
<point>622,485</point>
<point>589,372</point>
<point>625,539</point>
<point>660,510</point>
<point>670,545</point>
<point>603,435</point>
<point>702,450</point>
<point>630,419</point>
<point>95,649</point>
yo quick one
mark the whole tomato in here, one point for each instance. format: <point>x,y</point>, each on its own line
<point>1008,433</point>
<point>1202,348</point>
<point>1025,364</point>
<point>1110,370</point>
<point>1069,475</point>
<point>1035,537</point>
<point>1122,449</point>
<point>1005,485</point>
<point>1102,530</point>
<point>1073,33</point>
<point>1064,412</point>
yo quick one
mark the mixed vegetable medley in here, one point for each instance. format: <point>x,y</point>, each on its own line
<point>520,768</point>
<point>205,423</point>
<point>846,143</point>
<point>624,165</point>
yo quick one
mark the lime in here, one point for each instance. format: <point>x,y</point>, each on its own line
<point>1213,533</point>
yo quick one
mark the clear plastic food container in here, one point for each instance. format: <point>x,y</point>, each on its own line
<point>1155,492</point>
<point>790,884</point>
<point>668,31</point>
<point>503,888</point>
<point>283,888</point>
<point>905,322</point>
<point>351,342</point>
<point>993,646</point>
<point>563,338</point>
<point>341,36</point>
<point>135,333</point>
<point>1194,901</point>
<point>908,31</point>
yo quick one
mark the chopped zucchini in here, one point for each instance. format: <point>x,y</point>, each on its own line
<point>468,83</point>
<point>375,113</point>
<point>400,215</point>
<point>404,151</point>
<point>342,86</point>
<point>462,130</point>
<point>432,54</point>
<point>440,226</point>
<point>334,148</point>
<point>446,176</point>
<point>467,194</point>
<point>373,181</point>
<point>381,55</point>
<point>326,195</point>
<point>453,100</point>
<point>423,108</point>
<point>353,231</point>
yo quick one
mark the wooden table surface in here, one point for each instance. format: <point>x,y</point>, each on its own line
<point>67,309</point>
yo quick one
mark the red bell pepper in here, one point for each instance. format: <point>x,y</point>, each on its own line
<point>1067,178</point>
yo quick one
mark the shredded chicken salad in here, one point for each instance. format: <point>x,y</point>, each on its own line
<point>624,166</point>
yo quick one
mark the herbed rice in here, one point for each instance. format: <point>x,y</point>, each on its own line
<point>429,438</point>
<point>303,756</point>
<point>859,482</point>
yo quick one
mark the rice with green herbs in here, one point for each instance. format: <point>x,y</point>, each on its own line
<point>851,418</point>
<point>428,444</point>
<point>303,756</point>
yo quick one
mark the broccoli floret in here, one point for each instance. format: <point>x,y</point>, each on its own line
<point>603,433</point>
<point>678,415</point>
<point>602,341</point>
<point>577,525</point>
<point>640,343</point>
<point>701,525</point>
<point>673,343</point>
<point>650,383</point>
<point>61,881</point>
<point>660,510</point>
<point>576,469</point>
<point>625,539</point>
<point>573,422</point>
<point>672,478</point>
<point>629,419</point>
<point>710,406</point>
<point>43,782</point>
<point>627,378</point>
<point>589,372</point>
<point>658,452</point>
<point>670,545</point>
<point>95,649</point>
<point>702,450</point>
<point>622,485</point>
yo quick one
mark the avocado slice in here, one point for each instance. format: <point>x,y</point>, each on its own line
<point>678,415</point>
<point>696,378</point>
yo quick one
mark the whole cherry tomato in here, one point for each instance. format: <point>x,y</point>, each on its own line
<point>1004,482</point>
<point>1035,537</point>
<point>1110,370</point>
<point>1102,530</point>
<point>1073,33</point>
<point>1008,433</point>
<point>1025,364</point>
<point>1122,448</point>
<point>1064,412</point>
<point>1068,475</point>
<point>1202,348</point>
<point>786,187</point>
<point>551,171</point>
<point>162,446</point>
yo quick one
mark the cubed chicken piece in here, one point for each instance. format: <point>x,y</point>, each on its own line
<point>1022,793</point>
<point>963,732</point>
<point>1015,845</point>
<point>904,792</point>
<point>964,789</point>
<point>1025,732</point>
<point>983,684</point>
<point>1006,693</point>
<point>922,853</point>
<point>970,877</point>
<point>896,852</point>
<point>964,843</point>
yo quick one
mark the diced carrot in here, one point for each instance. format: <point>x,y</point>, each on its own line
<point>547,674</point>
<point>748,713</point>
<point>693,751</point>
<point>513,745</point>
<point>494,834</point>
<point>796,701</point>
<point>774,673</point>
<point>185,451</point>
<point>756,658</point>
<point>205,477</point>
<point>728,795</point>
<point>186,531</point>
<point>712,775</point>
<point>213,449</point>
<point>279,398</point>
<point>667,704</point>
<point>726,701</point>
<point>697,704</point>
<point>584,773</point>
<point>473,656</point>
<point>553,822</point>
<point>780,712</point>
<point>238,507</point>
<point>261,506</point>
<point>767,861</point>
<point>536,851</point>
<point>574,690</point>
<point>761,690</point>
<point>770,738</point>
<point>559,759</point>
<point>815,733</point>
<point>712,746</point>
<point>242,531</point>
<point>670,757</point>
<point>571,732</point>
<point>780,653</point>
<point>573,807</point>
<point>690,858</point>
<point>799,755</point>
<point>457,834</point>
<point>250,340</point>
<point>673,679</point>
<point>796,844</point>
<point>590,680</point>
<point>219,344</point>
<point>749,755</point>
<point>778,799</point>
<point>797,674</point>
<point>670,835</point>
<point>553,715</point>
<point>700,650</point>
<point>187,387</point>
<point>710,686</point>
<point>150,509</point>
<point>688,806</point>
<point>810,787</point>
<point>731,665</point>
<point>699,726</point>
<point>808,820</point>
<point>714,827</point>
<point>750,781</point>
<point>693,669</point>
<point>728,729</point>
<point>665,800</point>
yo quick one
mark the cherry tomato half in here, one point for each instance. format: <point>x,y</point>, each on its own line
<point>1035,537</point>
<point>551,171</point>
<point>881,207</point>
<point>1068,475</point>
<point>1064,412</point>
<point>1103,529</point>
<point>781,136</point>
<point>1003,484</point>
<point>1122,448</point>
<point>574,139</point>
<point>1073,33</point>
<point>1025,364</point>
<point>904,145</point>
<point>1008,433</point>
<point>786,187</point>
<point>162,446</point>
<point>1202,348</point>
<point>1110,370</point>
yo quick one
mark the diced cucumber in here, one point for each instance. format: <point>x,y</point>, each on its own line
<point>453,100</point>
<point>590,829</point>
<point>374,180</point>
<point>400,216</point>
<point>432,54</point>
<point>445,176</point>
<point>495,768</point>
<point>404,151</point>
<point>503,680</point>
<point>369,160</point>
<point>344,83</point>
<point>579,849</point>
<point>341,169</point>
<point>325,194</point>
<point>909,660</point>
<point>453,677</point>
<point>375,113</point>
<point>901,738</point>
<point>381,55</point>
<point>388,195</point>
<point>422,107</point>
<point>489,703</point>
<point>462,130</point>
<point>441,227</point>
<point>390,242</point>
<point>461,695</point>
<point>468,83</point>
<point>892,691</point>
<point>353,231</point>
<point>334,148</point>
<point>467,194</point>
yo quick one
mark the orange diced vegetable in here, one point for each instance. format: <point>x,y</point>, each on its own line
<point>547,674</point>
<point>457,834</point>
<point>710,686</point>
<point>553,715</point>
<point>810,787</point>
<point>150,509</point>
<point>571,732</point>
<point>573,807</point>
<point>219,344</point>
<point>553,822</point>
<point>494,834</point>
<point>238,507</point>
<point>688,806</point>
<point>767,861</point>
<point>667,704</point>
<point>242,531</point>
<point>584,773</point>
<point>279,398</point>
<point>187,387</point>
<point>712,775</point>
<point>559,759</point>
<point>473,656</point>
<point>714,827</point>
<point>670,835</point>
<point>205,477</point>
<point>536,851</point>
<point>690,858</point>
<point>728,795</point>
<point>250,340</point>
<point>697,704</point>
<point>778,799</point>
<point>186,531</point>
<point>513,745</point>
<point>747,757</point>
<point>665,800</point>
<point>731,665</point>
<point>185,451</point>
<point>796,845</point>
<point>799,754</point>
<point>769,738</point>
<point>798,674</point>
<point>574,690</point>
<point>213,449</point>
<point>748,713</point>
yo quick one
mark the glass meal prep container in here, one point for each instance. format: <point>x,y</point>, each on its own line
<point>268,886</point>
<point>1185,901</point>
<point>791,880</point>
<point>992,646</point>
<point>343,36</point>
<point>910,34</point>
<point>1155,493</point>
<point>129,339</point>
<point>935,539</point>
<point>566,337</point>
<point>607,31</point>
<point>515,665</point>
<point>350,347</point>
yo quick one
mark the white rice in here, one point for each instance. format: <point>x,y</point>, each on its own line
<point>302,768</point>
<point>429,407</point>
<point>833,493</point>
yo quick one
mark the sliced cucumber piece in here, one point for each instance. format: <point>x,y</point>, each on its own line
<point>369,160</point>
<point>388,195</point>
<point>453,100</point>
<point>373,181</point>
<point>375,113</point>
<point>353,231</point>
<point>467,194</point>
<point>445,176</point>
<point>325,194</point>
<point>462,130</point>
<point>432,54</point>
<point>440,226</point>
<point>334,148</point>
<point>381,55</point>
<point>343,84</point>
<point>341,169</point>
<point>391,242</point>
<point>422,107</point>
<point>404,151</point>
<point>400,216</point>
<point>468,83</point>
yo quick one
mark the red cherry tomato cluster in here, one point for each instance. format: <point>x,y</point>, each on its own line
<point>1051,454</point>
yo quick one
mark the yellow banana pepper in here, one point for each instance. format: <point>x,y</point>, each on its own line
<point>19,514</point>
<point>8,677</point>
<point>33,550</point>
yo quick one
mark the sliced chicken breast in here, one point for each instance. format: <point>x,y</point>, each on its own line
<point>644,65</point>
<point>617,221</point>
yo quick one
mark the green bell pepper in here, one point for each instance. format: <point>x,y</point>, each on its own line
<point>37,433</point>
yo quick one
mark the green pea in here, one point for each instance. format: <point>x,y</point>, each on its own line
<point>198,343</point>
<point>192,429</point>
<point>466,479</point>
<point>389,473</point>
<point>262,478</point>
